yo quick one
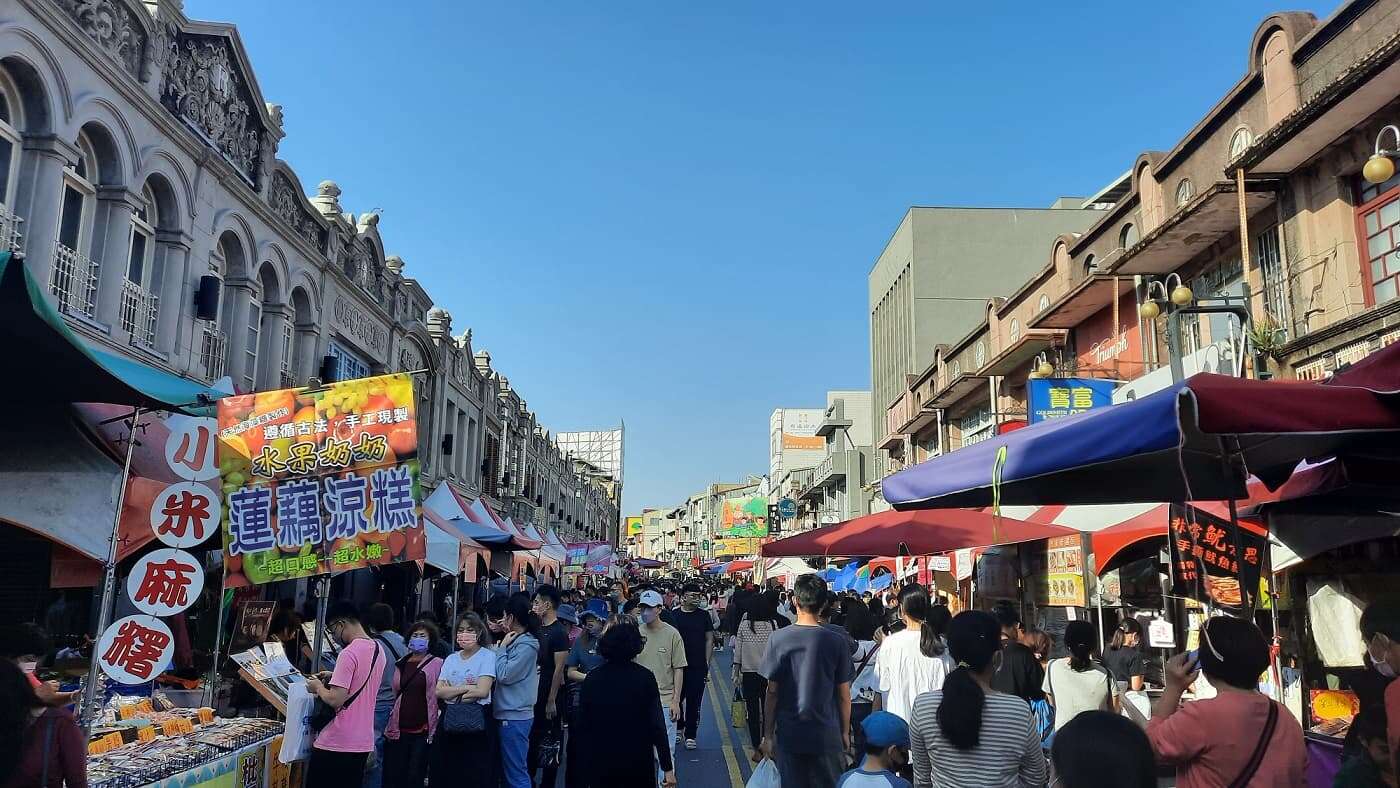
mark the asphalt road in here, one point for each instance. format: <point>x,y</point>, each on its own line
<point>722,757</point>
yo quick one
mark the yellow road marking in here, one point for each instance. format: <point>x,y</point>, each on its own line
<point>730,760</point>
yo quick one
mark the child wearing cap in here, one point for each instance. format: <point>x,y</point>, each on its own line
<point>886,749</point>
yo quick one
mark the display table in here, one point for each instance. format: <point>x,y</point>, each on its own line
<point>238,753</point>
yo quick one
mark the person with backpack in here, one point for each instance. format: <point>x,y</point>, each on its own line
<point>1240,737</point>
<point>1079,682</point>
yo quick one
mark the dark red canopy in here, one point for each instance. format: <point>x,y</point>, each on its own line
<point>921,532</point>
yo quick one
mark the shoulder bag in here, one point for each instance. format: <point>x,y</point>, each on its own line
<point>1256,759</point>
<point>463,716</point>
<point>322,714</point>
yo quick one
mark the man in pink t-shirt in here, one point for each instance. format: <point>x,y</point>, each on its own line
<point>342,747</point>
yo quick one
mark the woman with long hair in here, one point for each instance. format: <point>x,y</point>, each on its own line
<point>915,659</point>
<point>40,746</point>
<point>414,715</point>
<point>1124,655</point>
<point>516,689</point>
<point>858,620</point>
<point>1079,682</point>
<point>967,733</point>
<point>468,675</point>
<point>759,620</point>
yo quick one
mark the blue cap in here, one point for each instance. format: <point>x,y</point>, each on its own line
<point>597,608</point>
<point>884,729</point>
<point>566,612</point>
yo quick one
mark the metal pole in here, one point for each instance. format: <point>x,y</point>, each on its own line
<point>92,700</point>
<point>452,617</point>
<point>322,595</point>
<point>218,643</point>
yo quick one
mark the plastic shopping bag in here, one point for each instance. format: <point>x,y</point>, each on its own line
<point>765,775</point>
<point>296,744</point>
<point>739,710</point>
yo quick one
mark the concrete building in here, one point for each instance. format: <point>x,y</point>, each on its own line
<point>936,274</point>
<point>793,441</point>
<point>834,492</point>
<point>139,159</point>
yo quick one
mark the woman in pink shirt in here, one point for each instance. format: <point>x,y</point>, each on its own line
<point>341,749</point>
<point>1238,738</point>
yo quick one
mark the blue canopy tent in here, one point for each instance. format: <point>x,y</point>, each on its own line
<point>1198,440</point>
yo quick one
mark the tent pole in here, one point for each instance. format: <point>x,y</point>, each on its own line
<point>452,617</point>
<point>212,682</point>
<point>323,592</point>
<point>92,700</point>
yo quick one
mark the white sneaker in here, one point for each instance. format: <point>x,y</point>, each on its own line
<point>690,744</point>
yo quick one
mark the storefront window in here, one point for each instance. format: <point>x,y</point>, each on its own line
<point>348,365</point>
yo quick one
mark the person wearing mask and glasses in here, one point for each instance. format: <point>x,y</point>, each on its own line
<point>663,653</point>
<point>413,717</point>
<point>1238,737</point>
<point>342,748</point>
<point>466,760</point>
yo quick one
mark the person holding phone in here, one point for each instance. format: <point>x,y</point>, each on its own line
<point>1240,736</point>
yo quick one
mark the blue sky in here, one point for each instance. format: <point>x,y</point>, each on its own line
<point>665,211</point>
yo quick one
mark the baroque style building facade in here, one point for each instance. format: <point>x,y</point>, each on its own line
<point>140,179</point>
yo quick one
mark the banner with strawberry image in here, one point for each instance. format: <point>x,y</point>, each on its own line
<point>322,480</point>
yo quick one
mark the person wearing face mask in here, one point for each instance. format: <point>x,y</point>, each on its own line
<point>1380,630</point>
<point>343,747</point>
<point>698,634</point>
<point>413,717</point>
<point>516,689</point>
<point>468,675</point>
<point>663,654</point>
<point>886,752</point>
<point>583,657</point>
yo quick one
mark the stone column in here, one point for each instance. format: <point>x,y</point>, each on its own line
<point>111,249</point>
<point>275,318</point>
<point>38,192</point>
<point>237,292</point>
<point>176,289</point>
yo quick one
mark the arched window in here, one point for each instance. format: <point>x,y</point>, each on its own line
<point>1240,141</point>
<point>1015,330</point>
<point>955,371</point>
<point>1127,236</point>
<point>140,299</point>
<point>10,124</point>
<point>1091,265</point>
<point>1043,304</point>
<point>979,355</point>
<point>73,279</point>
<point>1184,192</point>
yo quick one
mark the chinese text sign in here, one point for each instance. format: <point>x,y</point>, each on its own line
<point>1214,561</point>
<point>320,481</point>
<point>1055,398</point>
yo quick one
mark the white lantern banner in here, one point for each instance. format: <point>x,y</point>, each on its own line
<point>135,649</point>
<point>165,582</point>
<point>190,448</point>
<point>185,514</point>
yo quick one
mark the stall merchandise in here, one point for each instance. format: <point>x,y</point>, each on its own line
<point>186,747</point>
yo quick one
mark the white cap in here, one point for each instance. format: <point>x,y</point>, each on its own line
<point>650,599</point>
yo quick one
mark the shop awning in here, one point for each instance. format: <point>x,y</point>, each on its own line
<point>1083,301</point>
<point>482,514</point>
<point>912,533</point>
<point>445,505</point>
<point>1167,446</point>
<point>738,566</point>
<point>1210,217</point>
<point>49,363</point>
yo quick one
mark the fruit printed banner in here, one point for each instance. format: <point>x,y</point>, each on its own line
<point>317,481</point>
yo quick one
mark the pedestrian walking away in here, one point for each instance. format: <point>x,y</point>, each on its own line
<point>757,623</point>
<point>663,653</point>
<point>342,748</point>
<point>1020,673</point>
<point>1079,682</point>
<point>807,704</point>
<point>1124,655</point>
<point>414,714</point>
<point>583,658</point>
<point>516,690</point>
<point>914,660</point>
<point>1100,749</point>
<point>621,722</point>
<point>39,739</point>
<point>969,735</point>
<point>380,618</point>
<point>697,630</point>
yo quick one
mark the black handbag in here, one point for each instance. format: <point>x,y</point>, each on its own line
<point>321,712</point>
<point>464,717</point>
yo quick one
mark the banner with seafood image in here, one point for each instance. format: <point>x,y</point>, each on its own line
<point>1213,560</point>
<point>317,481</point>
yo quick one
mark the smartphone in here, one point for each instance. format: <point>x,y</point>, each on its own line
<point>1193,658</point>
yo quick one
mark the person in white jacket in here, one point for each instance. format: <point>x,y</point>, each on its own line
<point>915,659</point>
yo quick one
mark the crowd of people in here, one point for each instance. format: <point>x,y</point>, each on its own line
<point>841,690</point>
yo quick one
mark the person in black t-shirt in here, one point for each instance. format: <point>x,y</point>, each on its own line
<point>697,633</point>
<point>1124,655</point>
<point>554,650</point>
<point>1020,673</point>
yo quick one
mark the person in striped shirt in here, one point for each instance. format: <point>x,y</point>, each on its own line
<point>968,735</point>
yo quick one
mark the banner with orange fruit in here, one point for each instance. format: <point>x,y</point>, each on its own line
<point>317,481</point>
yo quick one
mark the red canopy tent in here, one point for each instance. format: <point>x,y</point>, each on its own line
<point>919,532</point>
<point>738,566</point>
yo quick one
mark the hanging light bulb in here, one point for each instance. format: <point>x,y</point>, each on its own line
<point>1182,295</point>
<point>1380,168</point>
<point>1149,310</point>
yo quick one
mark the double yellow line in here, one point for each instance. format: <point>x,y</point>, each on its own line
<point>724,694</point>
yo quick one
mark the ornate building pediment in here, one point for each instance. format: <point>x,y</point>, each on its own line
<point>290,206</point>
<point>203,83</point>
<point>115,26</point>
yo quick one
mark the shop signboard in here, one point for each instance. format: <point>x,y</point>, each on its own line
<point>320,480</point>
<point>737,546</point>
<point>940,563</point>
<point>165,582</point>
<point>1213,561</point>
<point>634,526</point>
<point>135,649</point>
<point>594,558</point>
<point>744,516</point>
<point>996,573</point>
<point>1058,572</point>
<point>1055,398</point>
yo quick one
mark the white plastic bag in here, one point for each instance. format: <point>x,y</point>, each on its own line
<point>765,775</point>
<point>296,743</point>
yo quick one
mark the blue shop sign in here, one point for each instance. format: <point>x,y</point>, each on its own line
<point>1054,398</point>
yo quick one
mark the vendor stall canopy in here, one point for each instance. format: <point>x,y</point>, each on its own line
<point>912,533</point>
<point>1198,440</point>
<point>48,363</point>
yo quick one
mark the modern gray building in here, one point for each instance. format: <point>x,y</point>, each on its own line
<point>936,275</point>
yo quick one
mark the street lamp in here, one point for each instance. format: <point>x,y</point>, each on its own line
<point>1381,166</point>
<point>1043,368</point>
<point>1180,295</point>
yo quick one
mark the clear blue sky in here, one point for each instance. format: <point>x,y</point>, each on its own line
<point>665,211</point>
